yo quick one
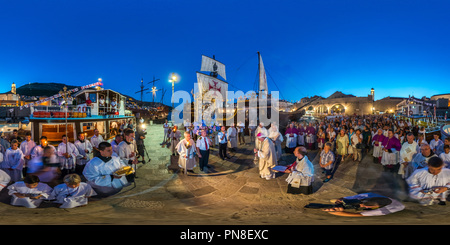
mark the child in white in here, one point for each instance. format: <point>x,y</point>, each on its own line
<point>445,156</point>
<point>72,193</point>
<point>29,193</point>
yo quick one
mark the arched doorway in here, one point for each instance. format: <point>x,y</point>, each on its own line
<point>337,109</point>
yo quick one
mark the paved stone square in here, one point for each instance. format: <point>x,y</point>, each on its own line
<point>231,193</point>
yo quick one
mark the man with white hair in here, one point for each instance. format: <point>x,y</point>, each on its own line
<point>267,156</point>
<point>186,149</point>
<point>409,149</point>
<point>420,160</point>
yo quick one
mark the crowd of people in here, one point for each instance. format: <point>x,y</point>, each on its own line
<point>396,144</point>
<point>70,173</point>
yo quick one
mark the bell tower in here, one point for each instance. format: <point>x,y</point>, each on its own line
<point>13,88</point>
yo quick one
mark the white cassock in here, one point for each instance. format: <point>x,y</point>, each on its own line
<point>407,154</point>
<point>67,163</point>
<point>95,140</point>
<point>175,139</point>
<point>38,151</point>
<point>72,197</point>
<point>258,130</point>
<point>4,179</point>
<point>446,158</point>
<point>20,187</point>
<point>99,175</point>
<point>13,163</point>
<point>303,173</point>
<point>422,179</point>
<point>232,137</point>
<point>45,173</point>
<point>277,139</point>
<point>267,159</point>
<point>186,159</point>
<point>26,147</point>
<point>82,146</point>
<point>125,150</point>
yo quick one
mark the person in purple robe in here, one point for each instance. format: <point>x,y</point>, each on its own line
<point>291,137</point>
<point>310,136</point>
<point>391,151</point>
<point>377,142</point>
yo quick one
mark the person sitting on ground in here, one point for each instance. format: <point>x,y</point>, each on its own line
<point>72,193</point>
<point>29,193</point>
<point>364,204</point>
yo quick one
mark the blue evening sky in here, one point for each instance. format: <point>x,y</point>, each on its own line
<point>309,47</point>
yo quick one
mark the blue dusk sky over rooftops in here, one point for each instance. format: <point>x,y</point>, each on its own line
<point>399,48</point>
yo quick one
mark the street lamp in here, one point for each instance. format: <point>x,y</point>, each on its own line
<point>172,80</point>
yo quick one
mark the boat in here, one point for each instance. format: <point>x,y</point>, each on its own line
<point>212,102</point>
<point>57,120</point>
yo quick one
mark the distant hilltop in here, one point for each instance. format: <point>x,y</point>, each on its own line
<point>42,89</point>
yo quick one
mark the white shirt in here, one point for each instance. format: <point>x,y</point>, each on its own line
<point>202,142</point>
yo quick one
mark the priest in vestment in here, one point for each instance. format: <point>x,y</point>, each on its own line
<point>409,149</point>
<point>186,149</point>
<point>267,156</point>
<point>377,142</point>
<point>391,151</point>
<point>232,137</point>
<point>291,137</point>
<point>301,175</point>
<point>310,136</point>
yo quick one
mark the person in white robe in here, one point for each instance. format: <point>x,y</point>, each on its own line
<point>13,161</point>
<point>232,137</point>
<point>38,150</point>
<point>84,149</point>
<point>4,179</point>
<point>430,184</point>
<point>436,143</point>
<point>445,156</point>
<point>260,129</point>
<point>26,147</point>
<point>301,176</point>
<point>46,167</point>
<point>100,172</point>
<point>128,149</point>
<point>301,134</point>
<point>67,153</point>
<point>277,138</point>
<point>96,139</point>
<point>72,193</point>
<point>29,193</point>
<point>420,160</point>
<point>408,151</point>
<point>186,150</point>
<point>267,156</point>
<point>175,136</point>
